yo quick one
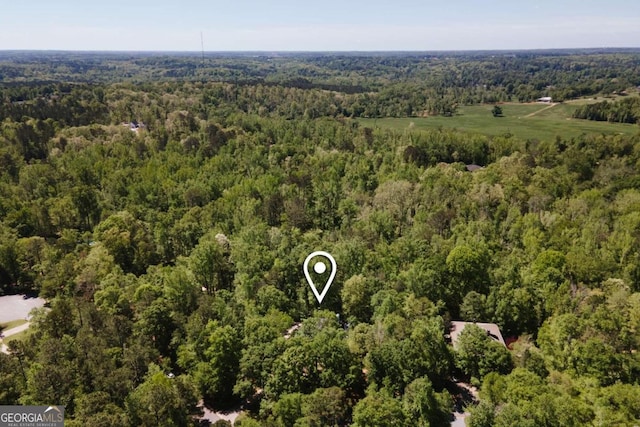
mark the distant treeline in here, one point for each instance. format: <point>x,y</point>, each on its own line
<point>625,111</point>
<point>462,78</point>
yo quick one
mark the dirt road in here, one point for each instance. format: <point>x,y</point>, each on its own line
<point>540,110</point>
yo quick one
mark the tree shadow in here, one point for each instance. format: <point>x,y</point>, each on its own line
<point>462,396</point>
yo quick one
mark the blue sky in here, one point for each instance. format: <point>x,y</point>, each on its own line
<point>288,25</point>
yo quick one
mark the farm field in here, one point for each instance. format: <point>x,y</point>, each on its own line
<point>525,121</point>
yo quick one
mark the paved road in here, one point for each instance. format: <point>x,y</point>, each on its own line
<point>212,417</point>
<point>7,333</point>
<point>470,397</point>
<point>459,419</point>
<point>13,307</point>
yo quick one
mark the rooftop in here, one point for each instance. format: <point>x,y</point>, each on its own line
<point>492,329</point>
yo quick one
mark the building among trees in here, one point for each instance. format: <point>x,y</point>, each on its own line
<point>492,329</point>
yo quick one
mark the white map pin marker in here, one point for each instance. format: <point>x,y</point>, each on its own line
<point>320,268</point>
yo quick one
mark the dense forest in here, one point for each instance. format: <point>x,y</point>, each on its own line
<point>625,111</point>
<point>164,205</point>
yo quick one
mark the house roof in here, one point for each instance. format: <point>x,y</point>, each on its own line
<point>492,329</point>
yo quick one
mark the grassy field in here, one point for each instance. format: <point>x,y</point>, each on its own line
<point>12,324</point>
<point>18,336</point>
<point>525,121</point>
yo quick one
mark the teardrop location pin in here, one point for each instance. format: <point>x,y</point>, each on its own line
<point>320,268</point>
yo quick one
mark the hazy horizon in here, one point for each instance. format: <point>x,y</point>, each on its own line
<point>330,26</point>
<point>358,52</point>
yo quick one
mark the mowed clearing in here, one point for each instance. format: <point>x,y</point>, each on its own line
<point>526,121</point>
